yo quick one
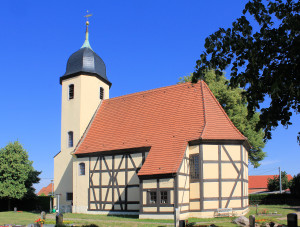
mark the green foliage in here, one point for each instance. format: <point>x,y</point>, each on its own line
<point>16,172</point>
<point>273,184</point>
<point>295,186</point>
<point>265,62</point>
<point>273,199</point>
<point>38,203</point>
<point>33,178</point>
<point>235,105</point>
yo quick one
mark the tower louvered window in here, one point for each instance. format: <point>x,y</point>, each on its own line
<point>101,93</point>
<point>71,91</point>
<point>70,139</point>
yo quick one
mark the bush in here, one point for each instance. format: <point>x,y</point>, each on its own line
<point>37,203</point>
<point>295,186</point>
<point>273,199</point>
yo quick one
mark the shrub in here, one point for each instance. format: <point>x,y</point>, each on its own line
<point>295,186</point>
<point>273,199</point>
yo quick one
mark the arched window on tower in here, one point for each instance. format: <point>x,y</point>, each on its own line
<point>71,91</point>
<point>81,169</point>
<point>70,139</point>
<point>101,93</point>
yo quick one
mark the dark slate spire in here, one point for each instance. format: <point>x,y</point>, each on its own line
<point>85,61</point>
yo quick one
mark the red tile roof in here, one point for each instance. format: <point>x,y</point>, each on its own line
<point>164,119</point>
<point>46,190</point>
<point>261,181</point>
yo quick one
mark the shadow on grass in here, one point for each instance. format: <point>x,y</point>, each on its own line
<point>194,224</point>
<point>124,216</point>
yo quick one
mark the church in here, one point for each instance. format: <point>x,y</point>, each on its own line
<point>146,153</point>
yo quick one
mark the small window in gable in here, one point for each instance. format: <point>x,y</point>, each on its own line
<point>70,139</point>
<point>81,169</point>
<point>71,91</point>
<point>101,93</point>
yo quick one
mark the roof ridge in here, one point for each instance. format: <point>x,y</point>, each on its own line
<point>204,112</point>
<point>149,91</point>
<point>223,111</point>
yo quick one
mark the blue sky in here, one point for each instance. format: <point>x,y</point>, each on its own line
<point>144,44</point>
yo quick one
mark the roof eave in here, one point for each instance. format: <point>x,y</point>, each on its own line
<point>65,77</point>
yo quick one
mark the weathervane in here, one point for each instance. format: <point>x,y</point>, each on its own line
<point>87,17</point>
<point>86,42</point>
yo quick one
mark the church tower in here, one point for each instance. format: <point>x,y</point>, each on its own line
<point>84,86</point>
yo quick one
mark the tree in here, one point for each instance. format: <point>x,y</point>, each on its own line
<point>274,185</point>
<point>235,106</point>
<point>33,178</point>
<point>265,62</point>
<point>16,172</point>
<point>295,185</point>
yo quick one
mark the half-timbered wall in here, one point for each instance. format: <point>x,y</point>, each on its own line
<point>184,186</point>
<point>222,180</point>
<point>110,184</point>
<point>160,209</point>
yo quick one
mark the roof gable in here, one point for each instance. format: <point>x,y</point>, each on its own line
<point>165,119</point>
<point>261,181</point>
<point>46,190</point>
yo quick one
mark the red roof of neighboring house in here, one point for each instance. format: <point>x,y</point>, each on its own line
<point>164,119</point>
<point>261,181</point>
<point>46,190</point>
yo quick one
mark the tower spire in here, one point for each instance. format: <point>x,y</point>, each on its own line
<point>86,42</point>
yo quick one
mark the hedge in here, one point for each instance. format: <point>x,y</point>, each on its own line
<point>38,203</point>
<point>274,199</point>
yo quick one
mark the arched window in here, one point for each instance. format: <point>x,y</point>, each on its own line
<point>71,91</point>
<point>101,93</point>
<point>81,169</point>
<point>70,139</point>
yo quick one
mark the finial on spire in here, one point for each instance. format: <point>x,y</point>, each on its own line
<point>86,42</point>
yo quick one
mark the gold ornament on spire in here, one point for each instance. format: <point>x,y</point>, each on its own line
<point>87,18</point>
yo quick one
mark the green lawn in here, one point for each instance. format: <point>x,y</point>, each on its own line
<point>24,218</point>
<point>18,218</point>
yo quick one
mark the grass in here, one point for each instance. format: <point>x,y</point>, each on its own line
<point>18,218</point>
<point>25,218</point>
<point>282,211</point>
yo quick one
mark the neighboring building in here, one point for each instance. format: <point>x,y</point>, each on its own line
<point>259,183</point>
<point>145,153</point>
<point>46,190</point>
